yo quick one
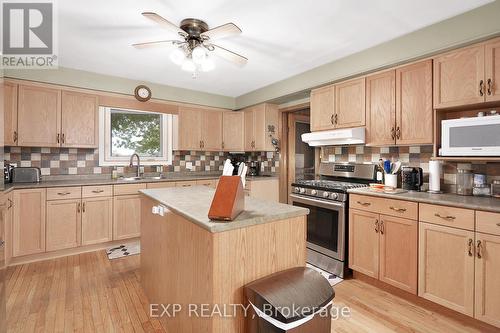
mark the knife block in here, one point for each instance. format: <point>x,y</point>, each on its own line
<point>229,199</point>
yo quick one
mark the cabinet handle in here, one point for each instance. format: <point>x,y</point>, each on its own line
<point>222,144</point>
<point>448,217</point>
<point>479,249</point>
<point>481,88</point>
<point>382,227</point>
<point>393,133</point>
<point>471,243</point>
<point>10,204</point>
<point>83,207</point>
<point>15,136</point>
<point>203,143</point>
<point>336,119</point>
<point>489,86</point>
<point>399,210</point>
<point>78,207</point>
<point>376,226</point>
<point>331,119</point>
<point>97,191</point>
<point>58,135</point>
<point>63,193</point>
<point>498,224</point>
<point>398,133</point>
<point>363,203</point>
<point>62,138</point>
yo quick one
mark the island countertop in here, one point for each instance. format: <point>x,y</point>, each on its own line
<point>193,203</point>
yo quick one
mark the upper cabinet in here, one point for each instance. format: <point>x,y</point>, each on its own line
<point>261,126</point>
<point>39,116</point>
<point>200,129</point>
<point>350,104</point>
<point>10,113</point>
<point>399,106</point>
<point>79,120</point>
<point>467,76</point>
<point>233,124</point>
<point>322,108</point>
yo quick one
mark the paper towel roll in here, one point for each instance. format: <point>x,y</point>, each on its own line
<point>434,176</point>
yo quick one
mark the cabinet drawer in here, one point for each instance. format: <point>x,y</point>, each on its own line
<point>447,216</point>
<point>488,223</point>
<point>185,184</point>
<point>97,191</point>
<point>207,182</point>
<point>58,193</point>
<point>161,185</point>
<point>399,208</point>
<point>128,189</point>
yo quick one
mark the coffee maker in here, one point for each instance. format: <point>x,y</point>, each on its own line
<point>412,178</point>
<point>236,159</point>
<point>253,168</point>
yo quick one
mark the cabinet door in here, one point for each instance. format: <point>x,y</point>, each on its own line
<point>233,131</point>
<point>28,222</point>
<point>364,242</point>
<point>190,128</point>
<point>126,216</point>
<point>97,220</point>
<point>487,291</point>
<point>79,120</point>
<point>7,208</point>
<point>399,252</point>
<point>492,66</point>
<point>10,114</point>
<point>39,116</point>
<point>211,130</point>
<point>63,224</point>
<point>457,77</point>
<point>322,108</point>
<point>380,108</point>
<point>414,112</point>
<point>266,117</point>
<point>249,129</point>
<point>350,103</point>
<point>446,267</point>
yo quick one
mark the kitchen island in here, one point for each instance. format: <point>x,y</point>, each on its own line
<point>201,266</point>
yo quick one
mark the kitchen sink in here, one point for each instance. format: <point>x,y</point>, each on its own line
<point>132,179</point>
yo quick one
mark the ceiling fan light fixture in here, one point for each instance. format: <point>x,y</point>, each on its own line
<point>199,55</point>
<point>207,65</point>
<point>188,65</point>
<point>178,56</point>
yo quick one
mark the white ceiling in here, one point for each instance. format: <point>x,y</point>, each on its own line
<point>280,38</point>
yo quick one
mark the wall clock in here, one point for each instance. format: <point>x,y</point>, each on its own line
<point>142,93</point>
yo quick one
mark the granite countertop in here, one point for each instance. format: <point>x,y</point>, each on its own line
<point>447,199</point>
<point>193,203</point>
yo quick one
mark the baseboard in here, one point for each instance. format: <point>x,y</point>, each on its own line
<point>66,252</point>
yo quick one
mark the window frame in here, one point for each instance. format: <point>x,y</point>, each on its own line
<point>167,133</point>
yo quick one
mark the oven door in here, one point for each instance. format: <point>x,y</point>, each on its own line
<point>325,225</point>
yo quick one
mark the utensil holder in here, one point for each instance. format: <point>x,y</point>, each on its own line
<point>391,180</point>
<point>229,199</point>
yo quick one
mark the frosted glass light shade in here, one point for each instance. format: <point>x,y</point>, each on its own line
<point>199,55</point>
<point>188,65</point>
<point>177,56</point>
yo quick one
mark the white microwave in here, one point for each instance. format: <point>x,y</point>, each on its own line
<point>478,136</point>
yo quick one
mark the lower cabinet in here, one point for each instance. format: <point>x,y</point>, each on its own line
<point>126,216</point>
<point>364,242</point>
<point>63,224</point>
<point>97,220</point>
<point>28,222</point>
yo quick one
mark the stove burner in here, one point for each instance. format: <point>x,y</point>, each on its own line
<point>329,184</point>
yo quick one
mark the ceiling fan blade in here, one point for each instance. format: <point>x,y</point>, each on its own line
<point>230,55</point>
<point>155,44</point>
<point>164,23</point>
<point>225,30</point>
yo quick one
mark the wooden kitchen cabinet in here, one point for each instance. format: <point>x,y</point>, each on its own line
<point>79,120</point>
<point>190,123</point>
<point>126,216</point>
<point>233,126</point>
<point>322,103</point>
<point>63,224</point>
<point>487,279</point>
<point>261,125</point>
<point>398,252</point>
<point>6,208</point>
<point>350,103</point>
<point>381,108</point>
<point>10,113</point>
<point>364,242</point>
<point>446,267</point>
<point>28,222</point>
<point>492,70</point>
<point>39,116</point>
<point>211,131</point>
<point>97,220</point>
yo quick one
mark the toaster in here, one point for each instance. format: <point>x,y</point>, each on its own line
<point>26,175</point>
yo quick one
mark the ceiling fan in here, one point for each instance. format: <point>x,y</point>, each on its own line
<point>193,52</point>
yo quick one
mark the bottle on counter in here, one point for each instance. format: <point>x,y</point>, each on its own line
<point>114,173</point>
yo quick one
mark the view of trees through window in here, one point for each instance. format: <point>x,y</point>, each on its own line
<point>135,132</point>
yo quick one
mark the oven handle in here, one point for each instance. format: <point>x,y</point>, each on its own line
<point>321,203</point>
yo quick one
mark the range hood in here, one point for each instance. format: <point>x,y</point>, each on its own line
<point>348,136</point>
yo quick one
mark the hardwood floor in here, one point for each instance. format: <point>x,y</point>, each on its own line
<point>89,293</point>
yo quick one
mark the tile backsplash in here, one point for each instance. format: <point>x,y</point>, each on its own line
<point>417,156</point>
<point>84,161</point>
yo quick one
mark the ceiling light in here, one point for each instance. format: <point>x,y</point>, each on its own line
<point>199,55</point>
<point>188,65</point>
<point>208,65</point>
<point>177,56</point>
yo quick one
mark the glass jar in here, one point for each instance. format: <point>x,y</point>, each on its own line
<point>481,191</point>
<point>495,189</point>
<point>465,182</point>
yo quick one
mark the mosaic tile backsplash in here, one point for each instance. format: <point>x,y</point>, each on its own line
<point>84,161</point>
<point>416,156</point>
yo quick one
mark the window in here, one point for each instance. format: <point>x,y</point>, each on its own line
<point>125,132</point>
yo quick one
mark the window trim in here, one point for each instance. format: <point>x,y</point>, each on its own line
<point>105,158</point>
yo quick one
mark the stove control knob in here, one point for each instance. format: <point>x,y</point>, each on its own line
<point>297,189</point>
<point>314,192</point>
<point>334,196</point>
<point>326,194</point>
<point>302,190</point>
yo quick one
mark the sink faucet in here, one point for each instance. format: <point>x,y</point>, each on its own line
<point>138,163</point>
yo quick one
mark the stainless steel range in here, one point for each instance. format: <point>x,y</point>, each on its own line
<point>327,200</point>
